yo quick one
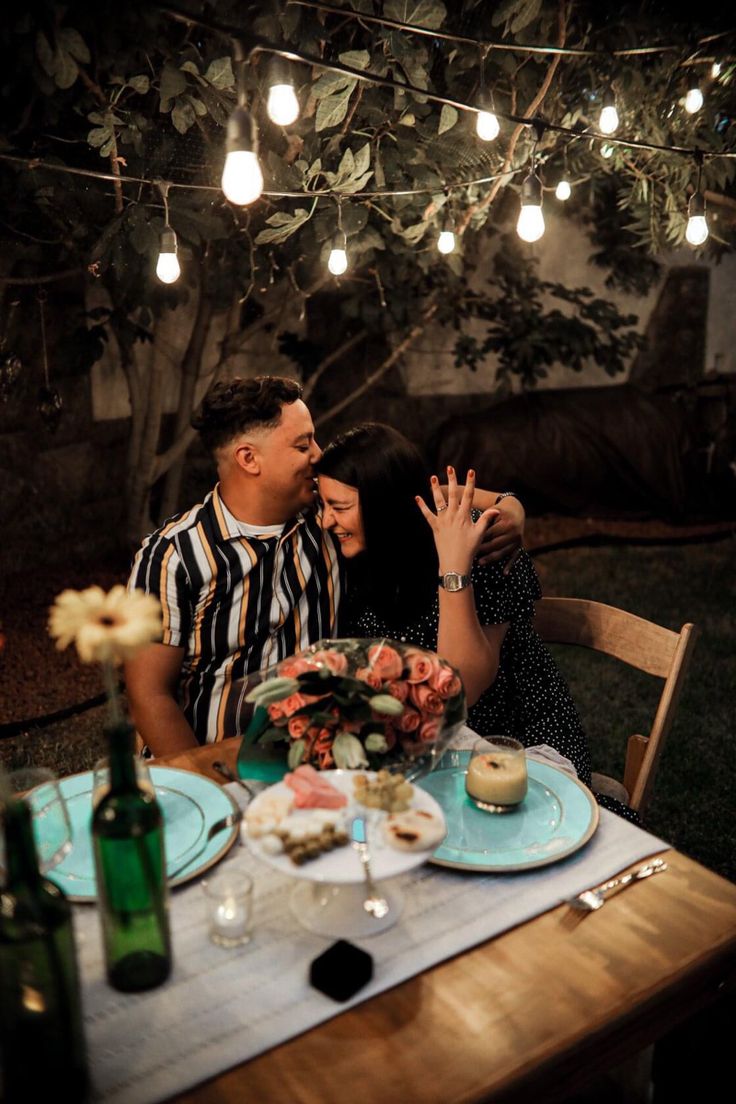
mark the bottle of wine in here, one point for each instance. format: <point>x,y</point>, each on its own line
<point>41,1036</point>
<point>132,891</point>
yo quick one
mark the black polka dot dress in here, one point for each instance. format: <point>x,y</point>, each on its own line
<point>529,698</point>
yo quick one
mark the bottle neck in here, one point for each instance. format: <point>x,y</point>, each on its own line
<point>20,846</point>
<point>121,757</point>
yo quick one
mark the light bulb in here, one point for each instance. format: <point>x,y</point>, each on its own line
<point>609,120</point>
<point>282,106</point>
<point>242,179</point>
<point>696,230</point>
<point>168,268</point>
<point>563,190</point>
<point>446,241</point>
<point>530,225</point>
<point>486,126</point>
<point>607,150</point>
<point>715,69</point>
<point>338,261</point>
<point>693,100</point>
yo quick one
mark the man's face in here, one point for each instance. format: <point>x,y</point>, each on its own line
<point>286,455</point>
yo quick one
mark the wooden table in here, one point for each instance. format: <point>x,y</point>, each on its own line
<point>529,1016</point>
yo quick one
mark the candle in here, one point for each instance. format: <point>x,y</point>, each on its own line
<point>229,896</point>
<point>230,919</point>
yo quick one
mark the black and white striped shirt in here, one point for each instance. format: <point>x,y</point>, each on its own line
<point>236,603</point>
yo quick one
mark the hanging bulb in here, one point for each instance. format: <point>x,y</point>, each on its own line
<point>530,226</point>
<point>696,231</point>
<point>715,70</point>
<point>338,259</point>
<point>486,123</point>
<point>446,241</point>
<point>242,179</point>
<point>694,99</point>
<point>168,268</point>
<point>607,150</point>
<point>282,106</point>
<point>608,122</point>
<point>563,191</point>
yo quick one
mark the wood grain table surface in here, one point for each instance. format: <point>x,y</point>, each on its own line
<point>530,1015</point>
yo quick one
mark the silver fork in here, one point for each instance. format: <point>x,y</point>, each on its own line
<point>219,826</point>
<point>592,899</point>
<point>374,904</point>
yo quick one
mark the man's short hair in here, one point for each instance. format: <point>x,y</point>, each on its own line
<point>238,405</point>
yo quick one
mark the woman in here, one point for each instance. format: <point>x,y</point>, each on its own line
<point>412,576</point>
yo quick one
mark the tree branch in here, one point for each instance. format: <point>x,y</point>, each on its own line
<point>389,362</point>
<point>30,281</point>
<point>113,156</point>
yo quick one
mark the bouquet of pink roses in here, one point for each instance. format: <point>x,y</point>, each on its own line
<point>358,703</point>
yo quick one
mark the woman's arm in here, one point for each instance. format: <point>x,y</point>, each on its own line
<point>461,640</point>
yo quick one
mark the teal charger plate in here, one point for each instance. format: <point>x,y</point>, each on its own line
<point>189,802</point>
<point>558,817</point>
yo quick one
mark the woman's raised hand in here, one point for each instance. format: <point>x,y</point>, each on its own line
<point>456,535</point>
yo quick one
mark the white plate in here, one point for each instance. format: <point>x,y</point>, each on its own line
<point>342,866</point>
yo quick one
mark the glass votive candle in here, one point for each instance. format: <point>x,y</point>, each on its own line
<point>497,776</point>
<point>229,902</point>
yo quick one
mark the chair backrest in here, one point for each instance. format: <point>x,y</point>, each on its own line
<point>641,644</point>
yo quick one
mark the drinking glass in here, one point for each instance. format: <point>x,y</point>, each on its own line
<point>52,830</point>
<point>101,779</point>
<point>497,777</point>
<point>229,902</point>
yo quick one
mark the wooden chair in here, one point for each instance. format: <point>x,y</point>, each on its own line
<point>641,644</point>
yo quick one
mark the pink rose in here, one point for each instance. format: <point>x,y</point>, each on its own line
<point>298,726</point>
<point>295,666</point>
<point>385,661</point>
<point>429,731</point>
<point>426,699</point>
<point>408,721</point>
<point>420,666</point>
<point>334,661</point>
<point>370,677</point>
<point>445,682</point>
<point>292,703</point>
<point>398,690</point>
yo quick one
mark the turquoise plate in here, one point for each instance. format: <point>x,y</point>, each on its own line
<point>190,803</point>
<point>557,818</point>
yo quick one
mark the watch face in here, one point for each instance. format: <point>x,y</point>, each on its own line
<point>453,581</point>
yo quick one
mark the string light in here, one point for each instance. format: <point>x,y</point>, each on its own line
<point>693,99</point>
<point>530,224</point>
<point>486,123</point>
<point>168,268</point>
<point>696,230</point>
<point>607,150</point>
<point>446,241</point>
<point>282,104</point>
<point>563,191</point>
<point>337,262</point>
<point>715,70</point>
<point>608,122</point>
<point>242,179</point>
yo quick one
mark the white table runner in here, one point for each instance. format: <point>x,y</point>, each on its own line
<point>222,1007</point>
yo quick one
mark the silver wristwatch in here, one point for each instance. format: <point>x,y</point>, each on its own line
<point>452,581</point>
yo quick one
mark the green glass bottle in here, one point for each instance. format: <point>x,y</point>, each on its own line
<point>132,891</point>
<point>41,1036</point>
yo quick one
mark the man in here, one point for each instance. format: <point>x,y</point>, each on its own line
<point>248,576</point>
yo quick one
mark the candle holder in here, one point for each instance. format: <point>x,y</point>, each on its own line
<point>497,775</point>
<point>229,902</point>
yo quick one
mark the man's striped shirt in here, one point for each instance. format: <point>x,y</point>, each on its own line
<point>236,603</point>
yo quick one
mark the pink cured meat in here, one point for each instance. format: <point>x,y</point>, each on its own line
<point>312,790</point>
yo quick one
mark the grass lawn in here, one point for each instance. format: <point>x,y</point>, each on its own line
<point>694,798</point>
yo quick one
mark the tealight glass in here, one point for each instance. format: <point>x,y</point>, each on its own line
<point>497,776</point>
<point>229,903</point>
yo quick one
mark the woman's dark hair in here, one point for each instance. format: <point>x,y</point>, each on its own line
<point>397,574</point>
<point>237,405</point>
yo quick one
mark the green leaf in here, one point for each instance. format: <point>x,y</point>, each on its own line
<point>296,754</point>
<point>415,233</point>
<point>74,44</point>
<point>356,184</point>
<point>333,109</point>
<point>423,13</point>
<point>97,117</point>
<point>448,118</point>
<point>45,54</point>
<point>220,72</point>
<point>98,136</point>
<point>108,147</point>
<point>190,67</point>
<point>141,83</point>
<point>272,690</point>
<point>182,115</point>
<point>67,70</point>
<point>173,83</point>
<point>362,159</point>
<point>199,107</point>
<point>283,226</point>
<point>330,83</point>
<point>387,705</point>
<point>356,59</point>
<point>346,168</point>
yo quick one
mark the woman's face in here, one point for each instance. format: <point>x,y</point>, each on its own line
<point>341,514</point>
